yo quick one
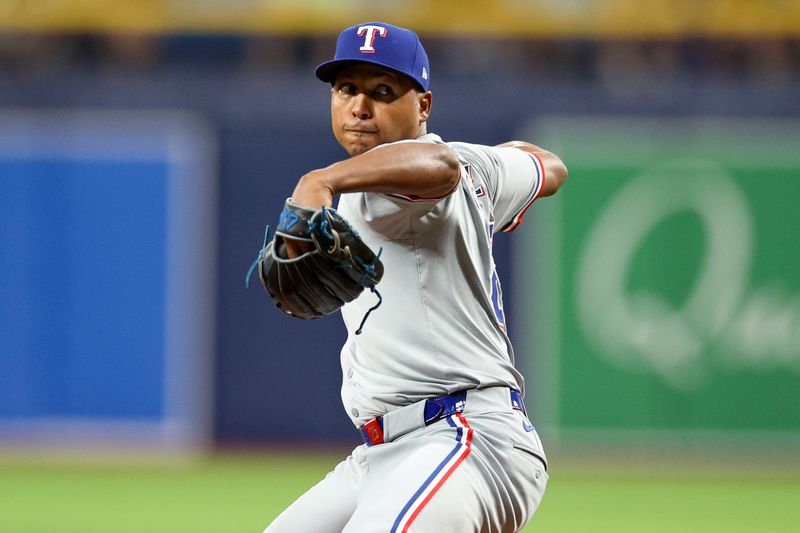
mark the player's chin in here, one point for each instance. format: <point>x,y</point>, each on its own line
<point>360,146</point>
<point>358,142</point>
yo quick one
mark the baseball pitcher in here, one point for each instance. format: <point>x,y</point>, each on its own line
<point>428,369</point>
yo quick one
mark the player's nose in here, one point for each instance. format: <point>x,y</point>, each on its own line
<point>361,107</point>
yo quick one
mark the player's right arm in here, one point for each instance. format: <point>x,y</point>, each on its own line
<point>416,169</point>
<point>421,169</point>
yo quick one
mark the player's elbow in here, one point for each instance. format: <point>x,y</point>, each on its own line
<point>556,174</point>
<point>560,172</point>
<point>448,169</point>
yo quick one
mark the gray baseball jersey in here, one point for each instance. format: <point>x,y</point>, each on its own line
<point>440,329</point>
<point>441,326</point>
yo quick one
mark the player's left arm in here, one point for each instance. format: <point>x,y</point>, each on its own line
<point>555,170</point>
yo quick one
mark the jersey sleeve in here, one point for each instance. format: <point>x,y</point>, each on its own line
<point>512,179</point>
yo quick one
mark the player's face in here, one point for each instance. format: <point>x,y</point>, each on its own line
<point>371,105</point>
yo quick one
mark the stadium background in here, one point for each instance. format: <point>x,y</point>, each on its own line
<point>654,303</point>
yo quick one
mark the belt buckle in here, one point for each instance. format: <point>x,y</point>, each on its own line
<point>443,406</point>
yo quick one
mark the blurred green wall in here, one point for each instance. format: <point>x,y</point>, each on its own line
<point>667,281</point>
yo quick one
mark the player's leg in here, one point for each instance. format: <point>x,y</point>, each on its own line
<point>514,458</point>
<point>524,467</point>
<point>498,486</point>
<point>483,470</point>
<point>426,481</point>
<point>326,507</point>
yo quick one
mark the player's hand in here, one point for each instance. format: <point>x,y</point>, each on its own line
<point>311,192</point>
<point>296,248</point>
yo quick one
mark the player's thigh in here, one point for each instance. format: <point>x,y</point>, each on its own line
<point>526,465</point>
<point>324,508</point>
<point>515,459</point>
<point>492,490</point>
<point>423,484</point>
<point>463,504</point>
<point>527,481</point>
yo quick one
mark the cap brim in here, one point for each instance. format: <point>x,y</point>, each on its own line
<point>328,70</point>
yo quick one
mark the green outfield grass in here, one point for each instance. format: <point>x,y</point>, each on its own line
<point>242,494</point>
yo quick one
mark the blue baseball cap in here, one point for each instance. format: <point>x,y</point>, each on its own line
<point>382,44</point>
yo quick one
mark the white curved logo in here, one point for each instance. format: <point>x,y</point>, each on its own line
<point>643,330</point>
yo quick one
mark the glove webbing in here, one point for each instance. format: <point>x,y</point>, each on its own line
<point>369,268</point>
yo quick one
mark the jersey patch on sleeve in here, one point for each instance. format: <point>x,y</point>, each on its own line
<point>538,186</point>
<point>479,189</point>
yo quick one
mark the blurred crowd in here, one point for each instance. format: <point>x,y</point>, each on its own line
<point>625,63</point>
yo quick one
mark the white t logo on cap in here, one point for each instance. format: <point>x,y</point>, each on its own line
<point>370,31</point>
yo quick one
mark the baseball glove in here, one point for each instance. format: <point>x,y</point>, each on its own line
<point>335,271</point>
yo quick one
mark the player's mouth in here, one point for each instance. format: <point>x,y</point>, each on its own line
<point>361,130</point>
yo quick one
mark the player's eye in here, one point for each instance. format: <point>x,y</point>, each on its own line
<point>347,88</point>
<point>384,90</point>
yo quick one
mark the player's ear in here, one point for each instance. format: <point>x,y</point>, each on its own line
<point>425,101</point>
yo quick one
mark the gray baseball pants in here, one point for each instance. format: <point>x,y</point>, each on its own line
<point>481,470</point>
